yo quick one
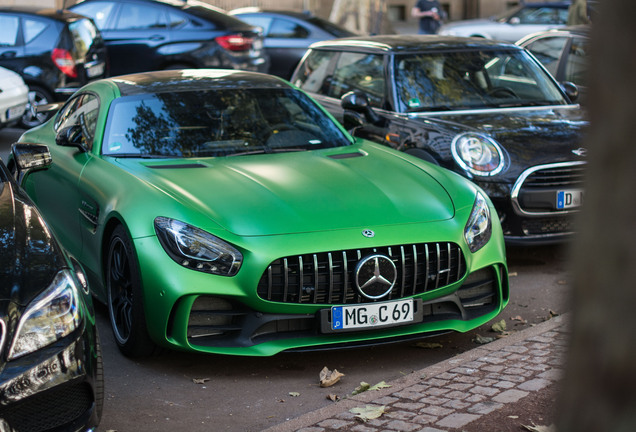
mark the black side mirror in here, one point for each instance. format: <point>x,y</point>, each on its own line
<point>571,90</point>
<point>28,158</point>
<point>359,103</point>
<point>72,136</point>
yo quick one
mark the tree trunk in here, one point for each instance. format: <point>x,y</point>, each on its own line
<point>600,382</point>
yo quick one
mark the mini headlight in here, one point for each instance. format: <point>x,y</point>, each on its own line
<point>478,154</point>
<point>50,316</point>
<point>479,227</point>
<point>196,249</point>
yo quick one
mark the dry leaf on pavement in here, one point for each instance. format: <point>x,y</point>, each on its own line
<point>328,377</point>
<point>369,412</point>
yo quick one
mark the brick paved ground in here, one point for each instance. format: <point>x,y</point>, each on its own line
<point>451,395</point>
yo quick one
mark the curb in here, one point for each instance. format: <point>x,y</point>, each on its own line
<point>419,377</point>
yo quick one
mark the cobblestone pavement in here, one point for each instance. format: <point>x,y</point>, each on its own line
<point>454,393</point>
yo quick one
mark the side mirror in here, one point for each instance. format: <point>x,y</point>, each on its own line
<point>514,21</point>
<point>571,90</point>
<point>72,136</point>
<point>359,103</point>
<point>28,158</point>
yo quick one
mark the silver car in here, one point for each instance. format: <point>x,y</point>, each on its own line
<point>512,24</point>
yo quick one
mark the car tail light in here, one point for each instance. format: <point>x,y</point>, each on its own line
<point>64,61</point>
<point>235,42</point>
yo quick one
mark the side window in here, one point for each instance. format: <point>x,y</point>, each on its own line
<point>31,29</point>
<point>81,111</point>
<point>98,11</point>
<point>287,29</point>
<point>258,21</point>
<point>140,17</point>
<point>313,75</point>
<point>364,72</point>
<point>542,15</point>
<point>8,30</point>
<point>576,67</point>
<point>548,51</point>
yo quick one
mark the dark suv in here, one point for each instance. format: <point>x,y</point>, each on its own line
<point>54,51</point>
<point>145,35</point>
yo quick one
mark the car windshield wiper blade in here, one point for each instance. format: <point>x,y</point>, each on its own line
<point>263,151</point>
<point>141,156</point>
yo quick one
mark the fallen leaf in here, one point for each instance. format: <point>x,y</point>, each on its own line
<point>519,319</point>
<point>562,282</point>
<point>200,380</point>
<point>328,377</point>
<point>499,327</point>
<point>333,397</point>
<point>379,386</point>
<point>361,388</point>
<point>483,340</point>
<point>294,394</point>
<point>512,274</point>
<point>429,345</point>
<point>535,428</point>
<point>553,314</point>
<point>369,412</point>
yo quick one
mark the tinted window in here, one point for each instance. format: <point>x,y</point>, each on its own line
<point>218,123</point>
<point>32,28</point>
<point>472,80</point>
<point>576,66</point>
<point>140,17</point>
<point>8,30</point>
<point>313,76</point>
<point>363,72</point>
<point>548,50</point>
<point>543,15</point>
<point>98,11</point>
<point>84,34</point>
<point>257,21</point>
<point>287,29</point>
<point>81,111</point>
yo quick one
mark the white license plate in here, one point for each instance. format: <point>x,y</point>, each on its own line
<point>371,315</point>
<point>95,70</point>
<point>569,198</point>
<point>15,111</point>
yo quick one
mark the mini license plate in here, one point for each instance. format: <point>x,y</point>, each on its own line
<point>371,315</point>
<point>95,70</point>
<point>15,111</point>
<point>569,198</point>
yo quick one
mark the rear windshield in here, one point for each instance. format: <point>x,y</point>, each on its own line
<point>84,34</point>
<point>217,123</point>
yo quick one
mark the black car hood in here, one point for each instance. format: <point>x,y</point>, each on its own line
<point>529,136</point>
<point>29,254</point>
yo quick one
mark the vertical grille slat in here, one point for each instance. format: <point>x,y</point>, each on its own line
<point>329,277</point>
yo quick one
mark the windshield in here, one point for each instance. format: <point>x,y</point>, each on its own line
<point>472,80</point>
<point>218,123</point>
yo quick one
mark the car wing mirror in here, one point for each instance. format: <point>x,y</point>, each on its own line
<point>571,90</point>
<point>71,136</point>
<point>359,103</point>
<point>514,21</point>
<point>28,158</point>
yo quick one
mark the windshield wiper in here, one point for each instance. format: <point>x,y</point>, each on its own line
<point>141,156</point>
<point>263,151</point>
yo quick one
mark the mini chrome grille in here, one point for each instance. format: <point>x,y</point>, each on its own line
<point>558,176</point>
<point>328,277</point>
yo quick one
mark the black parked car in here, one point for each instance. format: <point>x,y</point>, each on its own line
<point>54,51</point>
<point>484,109</point>
<point>288,35</point>
<point>146,35</point>
<point>51,376</point>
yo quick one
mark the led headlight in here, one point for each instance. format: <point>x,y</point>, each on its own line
<point>478,154</point>
<point>479,227</point>
<point>196,249</point>
<point>50,316</point>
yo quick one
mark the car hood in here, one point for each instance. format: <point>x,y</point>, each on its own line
<point>303,191</point>
<point>29,254</point>
<point>530,136</point>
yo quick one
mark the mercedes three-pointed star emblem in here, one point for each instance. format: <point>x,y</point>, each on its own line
<point>375,276</point>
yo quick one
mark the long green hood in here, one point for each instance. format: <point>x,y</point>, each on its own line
<point>301,192</point>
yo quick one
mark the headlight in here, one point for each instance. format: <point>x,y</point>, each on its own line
<point>196,249</point>
<point>478,154</point>
<point>51,316</point>
<point>479,227</point>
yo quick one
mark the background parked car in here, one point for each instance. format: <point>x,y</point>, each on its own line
<point>288,35</point>
<point>512,24</point>
<point>14,97</point>
<point>146,35</point>
<point>55,52</point>
<point>291,233</point>
<point>564,52</point>
<point>51,376</point>
<point>484,109</point>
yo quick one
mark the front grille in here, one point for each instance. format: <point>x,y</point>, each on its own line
<point>558,176</point>
<point>328,277</point>
<point>49,410</point>
<point>547,225</point>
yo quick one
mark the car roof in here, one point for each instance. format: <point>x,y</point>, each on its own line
<point>412,43</point>
<point>257,10</point>
<point>193,79</point>
<point>61,15</point>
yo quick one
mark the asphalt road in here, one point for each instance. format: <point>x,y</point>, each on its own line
<point>178,391</point>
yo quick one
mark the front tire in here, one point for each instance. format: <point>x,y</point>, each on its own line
<point>125,297</point>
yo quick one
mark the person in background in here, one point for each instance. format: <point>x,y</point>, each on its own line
<point>429,13</point>
<point>578,13</point>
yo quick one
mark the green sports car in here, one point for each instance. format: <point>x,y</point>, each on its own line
<point>227,212</point>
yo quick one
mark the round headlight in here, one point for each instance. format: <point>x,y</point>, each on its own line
<point>478,154</point>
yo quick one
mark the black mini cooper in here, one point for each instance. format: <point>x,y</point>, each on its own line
<point>487,110</point>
